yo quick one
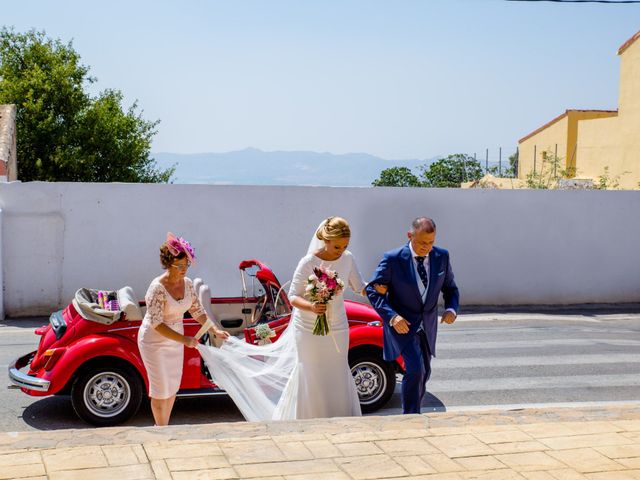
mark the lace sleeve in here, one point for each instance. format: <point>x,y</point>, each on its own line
<point>156,299</point>
<point>195,309</point>
<point>299,280</point>
<point>356,281</point>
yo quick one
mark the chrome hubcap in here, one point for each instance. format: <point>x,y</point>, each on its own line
<point>370,381</point>
<point>107,394</point>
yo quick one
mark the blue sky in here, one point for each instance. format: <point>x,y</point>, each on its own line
<point>405,79</point>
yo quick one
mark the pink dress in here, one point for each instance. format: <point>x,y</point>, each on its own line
<point>163,357</point>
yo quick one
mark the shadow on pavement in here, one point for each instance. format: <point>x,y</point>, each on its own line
<point>56,412</point>
<point>26,323</point>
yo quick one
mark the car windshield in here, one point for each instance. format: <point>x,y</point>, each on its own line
<point>272,301</point>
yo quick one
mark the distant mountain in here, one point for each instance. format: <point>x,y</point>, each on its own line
<point>255,167</point>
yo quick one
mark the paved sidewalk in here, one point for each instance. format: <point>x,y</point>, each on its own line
<point>536,444</point>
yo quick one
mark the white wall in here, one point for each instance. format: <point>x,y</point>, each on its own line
<point>507,247</point>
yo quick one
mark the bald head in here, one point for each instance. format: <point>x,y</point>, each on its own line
<point>423,225</point>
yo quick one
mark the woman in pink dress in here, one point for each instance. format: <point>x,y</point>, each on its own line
<point>161,338</point>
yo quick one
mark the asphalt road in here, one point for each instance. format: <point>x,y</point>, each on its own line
<point>484,361</point>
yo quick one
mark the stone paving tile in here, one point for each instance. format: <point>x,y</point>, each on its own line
<point>358,449</point>
<point>530,461</point>
<point>633,463</point>
<point>537,475</point>
<point>441,463</point>
<point>33,478</point>
<point>438,476</point>
<point>298,437</point>
<point>585,428</point>
<point>400,434</point>
<point>213,474</point>
<point>486,462</point>
<point>129,472</point>
<point>230,438</point>
<point>628,475</point>
<point>446,431</point>
<point>628,425</point>
<point>322,448</point>
<point>19,471</point>
<point>124,454</point>
<point>590,440</point>
<point>277,477</point>
<point>415,465</point>
<point>506,474</point>
<point>309,467</point>
<point>350,437</point>
<point>317,476</point>
<point>482,429</point>
<point>620,451</point>
<point>504,436</point>
<point>294,450</point>
<point>371,467</point>
<point>586,460</point>
<point>519,447</point>
<point>547,430</point>
<point>460,446</point>
<point>197,463</point>
<point>73,458</point>
<point>252,452</point>
<point>21,458</point>
<point>415,446</point>
<point>160,470</point>
<point>177,449</point>
<point>633,436</point>
<point>566,474</point>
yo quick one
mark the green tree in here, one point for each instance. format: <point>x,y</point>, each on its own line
<point>397,177</point>
<point>512,169</point>
<point>451,171</point>
<point>64,133</point>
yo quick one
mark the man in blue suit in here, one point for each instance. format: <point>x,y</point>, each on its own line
<point>412,278</point>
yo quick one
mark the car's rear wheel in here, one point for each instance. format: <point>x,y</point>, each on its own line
<point>375,380</point>
<point>106,395</point>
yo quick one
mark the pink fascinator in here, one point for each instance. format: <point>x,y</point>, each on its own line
<point>179,244</point>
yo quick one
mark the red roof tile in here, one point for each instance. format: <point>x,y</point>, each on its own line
<point>558,118</point>
<point>628,43</point>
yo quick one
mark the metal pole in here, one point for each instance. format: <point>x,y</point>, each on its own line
<point>486,161</point>
<point>516,170</point>
<point>534,158</point>
<point>464,167</point>
<point>500,161</point>
<point>555,161</point>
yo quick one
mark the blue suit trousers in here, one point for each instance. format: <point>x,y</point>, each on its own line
<point>417,362</point>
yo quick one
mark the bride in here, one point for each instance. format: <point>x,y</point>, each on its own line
<point>301,375</point>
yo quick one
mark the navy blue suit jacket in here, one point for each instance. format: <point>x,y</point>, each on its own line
<point>396,271</point>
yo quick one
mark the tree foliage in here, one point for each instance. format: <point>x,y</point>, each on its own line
<point>451,171</point>
<point>64,133</point>
<point>397,177</point>
<point>549,174</point>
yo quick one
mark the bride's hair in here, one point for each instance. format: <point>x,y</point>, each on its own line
<point>333,227</point>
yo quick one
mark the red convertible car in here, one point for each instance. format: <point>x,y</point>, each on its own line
<point>99,365</point>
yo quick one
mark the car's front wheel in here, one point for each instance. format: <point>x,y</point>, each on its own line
<point>106,395</point>
<point>375,380</point>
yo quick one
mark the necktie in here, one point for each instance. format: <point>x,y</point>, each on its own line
<point>422,272</point>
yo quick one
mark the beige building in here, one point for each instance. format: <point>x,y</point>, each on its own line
<point>590,144</point>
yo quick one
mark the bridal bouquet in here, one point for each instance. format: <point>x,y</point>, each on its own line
<point>264,334</point>
<point>322,286</point>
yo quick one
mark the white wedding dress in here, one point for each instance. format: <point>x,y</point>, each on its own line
<point>301,375</point>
